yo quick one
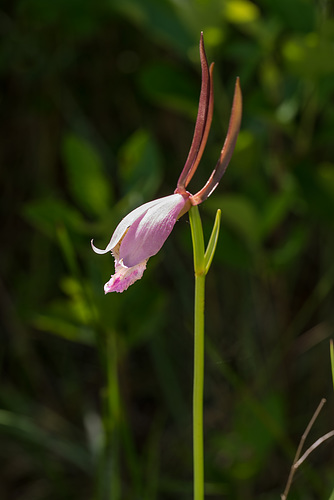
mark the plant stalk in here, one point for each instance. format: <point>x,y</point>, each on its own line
<point>198,453</point>
<point>199,266</point>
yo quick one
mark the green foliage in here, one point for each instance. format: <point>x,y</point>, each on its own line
<point>246,449</point>
<point>168,87</point>
<point>48,214</point>
<point>140,165</point>
<point>89,186</point>
<point>98,104</point>
<point>24,429</point>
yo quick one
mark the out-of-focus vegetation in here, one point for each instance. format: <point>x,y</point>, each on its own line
<point>98,103</point>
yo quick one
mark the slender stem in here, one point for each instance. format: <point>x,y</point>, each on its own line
<point>198,454</point>
<point>296,460</point>
<point>197,239</point>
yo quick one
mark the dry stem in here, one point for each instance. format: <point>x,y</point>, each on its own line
<point>299,460</point>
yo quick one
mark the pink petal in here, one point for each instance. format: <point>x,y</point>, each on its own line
<point>124,224</point>
<point>124,277</point>
<point>149,231</point>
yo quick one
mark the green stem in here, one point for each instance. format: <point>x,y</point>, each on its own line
<point>198,388</point>
<point>199,266</point>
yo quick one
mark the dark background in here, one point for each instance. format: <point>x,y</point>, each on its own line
<point>97,108</point>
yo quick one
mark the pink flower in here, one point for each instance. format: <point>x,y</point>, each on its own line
<point>141,234</point>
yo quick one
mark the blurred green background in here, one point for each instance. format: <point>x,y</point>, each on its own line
<point>98,104</point>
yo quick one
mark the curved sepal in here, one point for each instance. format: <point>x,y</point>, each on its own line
<point>226,152</point>
<point>203,122</point>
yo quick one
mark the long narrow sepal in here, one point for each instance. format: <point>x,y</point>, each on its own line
<point>203,123</point>
<point>206,129</point>
<point>226,152</point>
<point>211,248</point>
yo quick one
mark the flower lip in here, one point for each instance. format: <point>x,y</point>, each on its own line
<point>124,277</point>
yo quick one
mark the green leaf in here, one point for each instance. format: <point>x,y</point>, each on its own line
<point>140,164</point>
<point>248,446</point>
<point>79,18</point>
<point>326,177</point>
<point>294,243</point>
<point>309,56</point>
<point>211,248</point>
<point>70,318</point>
<point>160,20</point>
<point>319,198</point>
<point>241,11</point>
<point>289,14</point>
<point>169,87</point>
<point>88,184</point>
<point>47,214</point>
<point>274,212</point>
<point>240,214</point>
<point>64,328</point>
<point>25,430</point>
<point>197,239</point>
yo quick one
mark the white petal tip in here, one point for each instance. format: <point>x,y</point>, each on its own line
<point>98,250</point>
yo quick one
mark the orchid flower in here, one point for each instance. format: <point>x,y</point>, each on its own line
<point>141,234</point>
